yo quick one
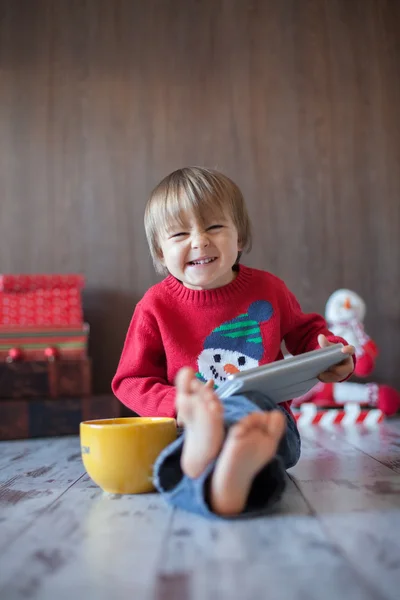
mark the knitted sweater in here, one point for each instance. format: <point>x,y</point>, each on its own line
<point>216,332</point>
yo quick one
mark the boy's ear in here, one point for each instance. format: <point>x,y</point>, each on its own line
<point>161,258</point>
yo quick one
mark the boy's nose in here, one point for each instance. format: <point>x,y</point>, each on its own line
<point>199,240</point>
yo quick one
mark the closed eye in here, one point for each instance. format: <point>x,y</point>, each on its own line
<point>214,227</point>
<point>179,234</point>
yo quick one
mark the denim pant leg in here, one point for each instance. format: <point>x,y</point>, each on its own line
<point>268,485</point>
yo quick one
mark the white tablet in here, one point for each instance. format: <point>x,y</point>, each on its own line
<point>284,379</point>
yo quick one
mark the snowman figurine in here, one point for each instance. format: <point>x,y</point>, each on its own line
<point>345,313</point>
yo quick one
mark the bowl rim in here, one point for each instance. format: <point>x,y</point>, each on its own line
<point>127,422</point>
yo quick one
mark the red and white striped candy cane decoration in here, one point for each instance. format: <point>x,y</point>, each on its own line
<point>350,414</point>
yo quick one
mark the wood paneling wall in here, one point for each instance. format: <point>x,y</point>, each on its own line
<point>297,100</point>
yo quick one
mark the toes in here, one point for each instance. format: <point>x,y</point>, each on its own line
<point>196,386</point>
<point>184,380</point>
<point>256,419</point>
<point>271,423</point>
<point>212,401</point>
<point>216,408</point>
<point>194,399</point>
<point>276,422</point>
<point>239,429</point>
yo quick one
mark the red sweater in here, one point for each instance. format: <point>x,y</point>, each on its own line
<point>216,332</point>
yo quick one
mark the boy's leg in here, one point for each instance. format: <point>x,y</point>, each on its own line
<point>250,448</point>
<point>182,468</point>
<point>253,425</point>
<point>252,445</point>
<point>202,413</point>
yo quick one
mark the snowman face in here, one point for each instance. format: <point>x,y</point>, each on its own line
<point>344,305</point>
<point>218,364</point>
<point>340,312</point>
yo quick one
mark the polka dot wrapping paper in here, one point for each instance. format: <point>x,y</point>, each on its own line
<point>36,300</point>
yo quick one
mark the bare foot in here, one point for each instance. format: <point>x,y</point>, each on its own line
<point>201,413</point>
<point>249,446</point>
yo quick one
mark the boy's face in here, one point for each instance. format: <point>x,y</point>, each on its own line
<point>201,257</point>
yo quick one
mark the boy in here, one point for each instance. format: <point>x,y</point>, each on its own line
<point>214,317</point>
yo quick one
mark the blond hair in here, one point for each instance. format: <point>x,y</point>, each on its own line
<point>194,190</point>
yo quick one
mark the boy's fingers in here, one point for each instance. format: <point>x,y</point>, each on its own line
<point>342,370</point>
<point>323,341</point>
<point>328,377</point>
<point>338,372</point>
<point>349,350</point>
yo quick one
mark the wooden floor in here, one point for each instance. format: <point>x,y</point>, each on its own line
<point>336,535</point>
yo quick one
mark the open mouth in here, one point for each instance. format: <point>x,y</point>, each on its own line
<point>202,261</point>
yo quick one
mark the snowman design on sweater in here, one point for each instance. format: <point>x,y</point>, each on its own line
<point>234,346</point>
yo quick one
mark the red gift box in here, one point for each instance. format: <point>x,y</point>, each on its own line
<point>29,283</point>
<point>41,300</point>
<point>43,343</point>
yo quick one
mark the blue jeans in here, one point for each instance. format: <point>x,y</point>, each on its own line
<point>193,494</point>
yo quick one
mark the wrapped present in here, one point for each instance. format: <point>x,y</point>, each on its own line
<point>21,419</point>
<point>35,300</point>
<point>53,379</point>
<point>30,283</point>
<point>43,343</point>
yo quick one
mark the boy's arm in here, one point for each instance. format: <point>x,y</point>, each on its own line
<point>301,331</point>
<point>141,379</point>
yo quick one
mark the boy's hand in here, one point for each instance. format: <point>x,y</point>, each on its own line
<point>343,369</point>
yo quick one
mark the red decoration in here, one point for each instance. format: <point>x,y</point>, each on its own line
<point>345,312</point>
<point>51,353</point>
<point>14,354</point>
<point>311,414</point>
<point>30,283</point>
<point>41,300</point>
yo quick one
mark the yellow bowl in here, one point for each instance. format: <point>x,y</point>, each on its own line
<point>119,454</point>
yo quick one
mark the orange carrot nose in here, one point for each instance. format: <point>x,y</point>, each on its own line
<point>231,369</point>
<point>347,303</point>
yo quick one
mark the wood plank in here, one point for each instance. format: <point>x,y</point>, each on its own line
<point>293,501</point>
<point>393,423</point>
<point>382,443</point>
<point>28,454</point>
<point>68,548</point>
<point>356,498</point>
<point>97,545</point>
<point>34,483</point>
<point>335,477</point>
<point>287,557</point>
<point>14,451</point>
<point>89,544</point>
<point>370,541</point>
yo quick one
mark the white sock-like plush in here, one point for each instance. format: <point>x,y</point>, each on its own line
<point>362,393</point>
